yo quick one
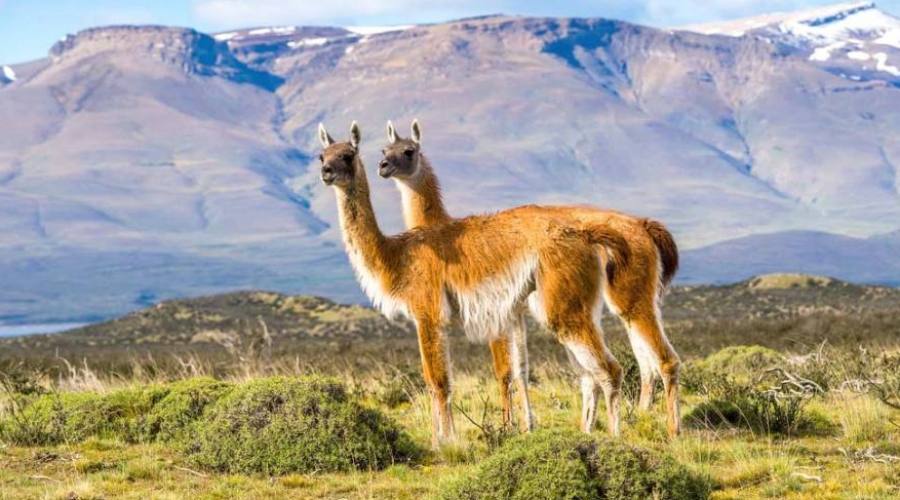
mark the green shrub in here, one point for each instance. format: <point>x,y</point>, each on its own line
<point>280,425</point>
<point>17,381</point>
<point>775,409</point>
<point>73,417</point>
<point>741,363</point>
<point>568,465</point>
<point>184,403</point>
<point>396,385</point>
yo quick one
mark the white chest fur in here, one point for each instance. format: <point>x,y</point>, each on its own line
<point>373,287</point>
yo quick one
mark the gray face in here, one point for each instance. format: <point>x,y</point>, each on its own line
<point>338,164</point>
<point>401,159</point>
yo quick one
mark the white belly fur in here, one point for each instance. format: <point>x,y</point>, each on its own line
<point>487,309</point>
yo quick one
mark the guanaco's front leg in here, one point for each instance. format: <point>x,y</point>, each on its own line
<point>500,354</point>
<point>436,371</point>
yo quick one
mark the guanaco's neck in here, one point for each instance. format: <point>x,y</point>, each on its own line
<point>359,226</point>
<point>421,198</point>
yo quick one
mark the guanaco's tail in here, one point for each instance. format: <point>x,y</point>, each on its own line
<point>668,250</point>
<point>615,243</point>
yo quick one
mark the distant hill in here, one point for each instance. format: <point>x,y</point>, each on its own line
<point>801,307</point>
<point>143,163</point>
<point>866,260</point>
<point>220,319</point>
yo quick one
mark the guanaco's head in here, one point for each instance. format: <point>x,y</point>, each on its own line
<point>339,158</point>
<point>401,156</point>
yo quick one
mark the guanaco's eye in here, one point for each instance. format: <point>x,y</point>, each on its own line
<point>348,157</point>
<point>409,152</point>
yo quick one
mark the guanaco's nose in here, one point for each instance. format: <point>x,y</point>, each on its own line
<point>327,169</point>
<point>383,164</point>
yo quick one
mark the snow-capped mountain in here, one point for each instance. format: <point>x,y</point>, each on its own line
<point>7,74</point>
<point>857,32</point>
<point>153,162</point>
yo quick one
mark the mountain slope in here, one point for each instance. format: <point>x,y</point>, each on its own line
<point>149,162</point>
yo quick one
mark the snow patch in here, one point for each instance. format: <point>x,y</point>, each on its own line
<point>374,30</point>
<point>9,73</point>
<point>224,37</point>
<point>858,55</point>
<point>273,30</point>
<point>819,16</point>
<point>882,65</point>
<point>824,53</point>
<point>820,31</point>
<point>891,38</point>
<point>869,22</point>
<point>308,42</point>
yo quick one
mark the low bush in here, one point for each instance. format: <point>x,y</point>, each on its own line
<point>771,405</point>
<point>158,412</point>
<point>740,363</point>
<point>182,405</point>
<point>569,465</point>
<point>72,417</point>
<point>281,425</point>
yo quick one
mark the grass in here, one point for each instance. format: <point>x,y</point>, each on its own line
<point>854,459</point>
<point>838,437</point>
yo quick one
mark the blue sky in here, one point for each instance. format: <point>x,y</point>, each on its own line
<point>29,27</point>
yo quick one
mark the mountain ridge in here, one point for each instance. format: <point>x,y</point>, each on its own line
<point>142,144</point>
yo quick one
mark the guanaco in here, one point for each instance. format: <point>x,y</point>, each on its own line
<point>632,290</point>
<point>486,266</point>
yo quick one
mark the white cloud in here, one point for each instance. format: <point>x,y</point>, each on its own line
<point>232,13</point>
<point>123,15</point>
<point>221,14</point>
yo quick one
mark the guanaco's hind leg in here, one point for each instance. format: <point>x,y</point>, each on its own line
<point>569,290</point>
<point>647,366</point>
<point>599,370</point>
<point>634,296</point>
<point>645,329</point>
<point>503,372</point>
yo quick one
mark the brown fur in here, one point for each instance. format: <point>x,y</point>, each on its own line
<point>634,270</point>
<point>417,267</point>
<point>500,356</point>
<point>668,250</point>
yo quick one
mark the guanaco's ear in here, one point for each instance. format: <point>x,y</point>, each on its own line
<point>416,132</point>
<point>355,134</point>
<point>391,132</point>
<point>324,138</point>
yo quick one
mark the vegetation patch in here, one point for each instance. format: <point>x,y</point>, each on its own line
<point>772,405</point>
<point>569,465</point>
<point>781,281</point>
<point>281,425</point>
<point>183,404</point>
<point>73,417</point>
<point>741,363</point>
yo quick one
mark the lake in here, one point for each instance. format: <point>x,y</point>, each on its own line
<point>16,330</point>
